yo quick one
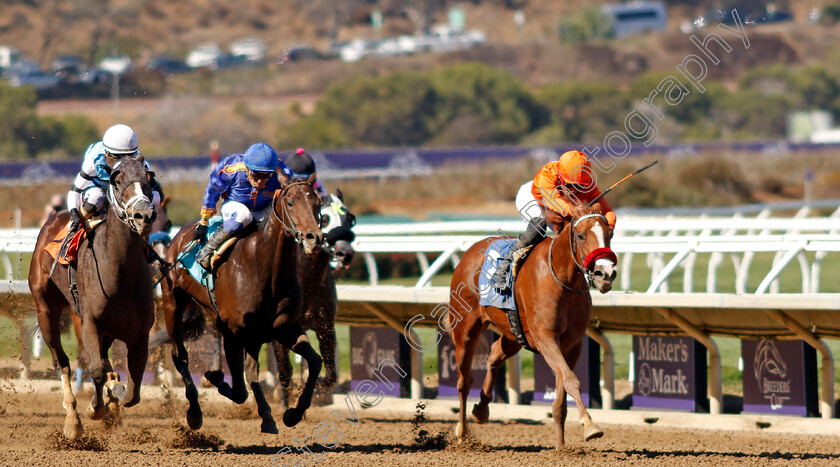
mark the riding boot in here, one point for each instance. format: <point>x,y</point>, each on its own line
<point>534,234</point>
<point>206,252</point>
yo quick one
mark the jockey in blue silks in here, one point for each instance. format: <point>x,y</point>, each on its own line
<point>247,183</point>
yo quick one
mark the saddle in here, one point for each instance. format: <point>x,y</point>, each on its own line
<point>220,254</point>
<point>70,246</point>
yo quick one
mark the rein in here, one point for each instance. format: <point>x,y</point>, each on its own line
<point>121,209</point>
<point>289,228</point>
<point>573,250</point>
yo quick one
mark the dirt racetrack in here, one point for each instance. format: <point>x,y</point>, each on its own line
<point>152,434</point>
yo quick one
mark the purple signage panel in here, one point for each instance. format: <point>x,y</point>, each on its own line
<point>670,373</point>
<point>381,356</point>
<point>448,367</point>
<point>780,377</point>
<point>587,369</point>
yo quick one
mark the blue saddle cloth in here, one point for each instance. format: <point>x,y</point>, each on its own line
<point>489,295</point>
<point>187,258</point>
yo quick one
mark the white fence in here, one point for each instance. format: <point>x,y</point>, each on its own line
<point>671,245</point>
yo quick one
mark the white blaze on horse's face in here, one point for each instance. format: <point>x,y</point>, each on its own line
<point>599,234</point>
<point>603,272</point>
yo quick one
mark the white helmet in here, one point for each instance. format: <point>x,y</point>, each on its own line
<point>120,139</point>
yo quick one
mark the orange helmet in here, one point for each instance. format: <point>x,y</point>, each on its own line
<point>575,168</point>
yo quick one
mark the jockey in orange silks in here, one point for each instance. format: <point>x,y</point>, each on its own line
<point>547,200</point>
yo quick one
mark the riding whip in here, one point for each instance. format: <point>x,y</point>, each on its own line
<point>620,182</point>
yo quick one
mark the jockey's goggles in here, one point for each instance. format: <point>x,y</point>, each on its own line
<point>300,177</point>
<point>121,155</point>
<point>259,175</point>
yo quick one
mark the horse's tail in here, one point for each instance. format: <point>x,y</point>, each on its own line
<point>194,323</point>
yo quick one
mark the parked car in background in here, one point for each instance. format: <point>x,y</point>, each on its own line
<point>251,49</point>
<point>68,66</point>
<point>205,55</point>
<point>39,80</point>
<point>9,56</point>
<point>355,50</point>
<point>94,76</point>
<point>167,65</point>
<point>230,61</point>
<point>118,64</point>
<point>301,53</point>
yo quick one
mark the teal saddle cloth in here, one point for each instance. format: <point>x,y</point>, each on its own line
<point>187,258</point>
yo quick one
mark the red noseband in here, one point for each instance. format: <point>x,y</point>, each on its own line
<point>598,253</point>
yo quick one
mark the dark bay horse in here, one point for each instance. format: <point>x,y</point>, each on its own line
<point>114,286</point>
<point>160,229</point>
<point>257,300</point>
<point>552,294</point>
<point>320,302</point>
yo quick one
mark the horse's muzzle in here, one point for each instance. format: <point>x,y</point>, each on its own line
<point>312,242</point>
<point>141,218</point>
<point>344,253</point>
<point>603,275</point>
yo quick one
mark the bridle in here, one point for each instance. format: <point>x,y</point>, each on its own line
<point>588,263</point>
<point>289,227</point>
<point>122,210</point>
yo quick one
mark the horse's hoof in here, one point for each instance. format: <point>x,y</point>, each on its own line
<point>268,426</point>
<point>194,419</point>
<point>97,414</point>
<point>481,413</point>
<point>292,417</point>
<point>73,427</point>
<point>213,378</point>
<point>117,391</point>
<point>322,383</point>
<point>132,402</point>
<point>460,432</point>
<point>591,432</point>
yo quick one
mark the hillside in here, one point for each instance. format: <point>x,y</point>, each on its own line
<point>45,29</point>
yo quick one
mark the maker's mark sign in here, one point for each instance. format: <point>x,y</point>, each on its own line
<point>670,373</point>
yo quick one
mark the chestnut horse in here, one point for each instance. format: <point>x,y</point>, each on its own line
<point>258,299</point>
<point>553,300</point>
<point>114,286</point>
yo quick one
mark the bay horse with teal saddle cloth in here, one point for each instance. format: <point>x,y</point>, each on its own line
<point>257,299</point>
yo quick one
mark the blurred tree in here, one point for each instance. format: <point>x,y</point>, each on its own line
<point>486,96</point>
<point>693,106</point>
<point>315,132</point>
<point>769,80</point>
<point>24,135</point>
<point>586,24</point>
<point>830,13</point>
<point>387,110</point>
<point>818,89</point>
<point>78,132</point>
<point>17,120</point>
<point>584,110</point>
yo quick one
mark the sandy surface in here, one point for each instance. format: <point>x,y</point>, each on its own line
<point>152,433</point>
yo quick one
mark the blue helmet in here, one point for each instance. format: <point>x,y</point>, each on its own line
<point>260,157</point>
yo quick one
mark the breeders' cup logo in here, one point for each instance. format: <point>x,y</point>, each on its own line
<point>645,380</point>
<point>369,352</point>
<point>770,374</point>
